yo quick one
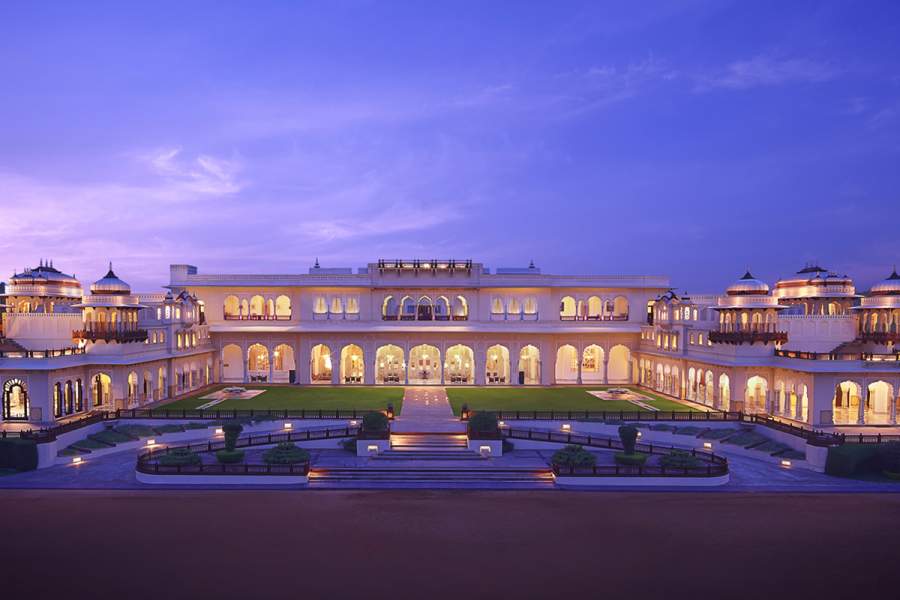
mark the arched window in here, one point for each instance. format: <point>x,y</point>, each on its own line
<point>567,308</point>
<point>594,307</point>
<point>232,308</point>
<point>496,305</point>
<point>79,396</point>
<point>514,307</point>
<point>270,308</point>
<point>620,308</point>
<point>425,309</point>
<point>57,400</point>
<point>319,305</point>
<point>529,306</point>
<point>389,309</point>
<point>460,308</point>
<point>15,400</point>
<point>257,306</point>
<point>337,305</point>
<point>442,309</point>
<point>352,307</point>
<point>69,398</point>
<point>408,309</point>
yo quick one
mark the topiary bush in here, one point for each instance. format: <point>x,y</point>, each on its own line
<point>229,457</point>
<point>349,444</point>
<point>628,434</point>
<point>679,459</point>
<point>483,423</point>
<point>231,431</point>
<point>573,456</point>
<point>285,453</point>
<point>179,457</point>
<point>375,422</point>
<point>18,453</point>
<point>889,458</point>
<point>630,460</point>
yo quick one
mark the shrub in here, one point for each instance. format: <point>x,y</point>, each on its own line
<point>135,431</point>
<point>679,459</point>
<point>349,444</point>
<point>484,423</point>
<point>229,457</point>
<point>889,457</point>
<point>375,422</point>
<point>179,457</point>
<point>18,453</point>
<point>573,456</point>
<point>231,432</point>
<point>286,453</point>
<point>111,437</point>
<point>171,428</point>
<point>630,460</point>
<point>851,459</point>
<point>194,425</point>
<point>628,435</point>
<point>508,446</point>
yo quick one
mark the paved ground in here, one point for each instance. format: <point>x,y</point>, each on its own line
<point>251,544</point>
<point>426,410</point>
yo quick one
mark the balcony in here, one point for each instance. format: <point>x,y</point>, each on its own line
<point>593,317</point>
<point>109,332</point>
<point>257,318</point>
<point>752,333</point>
<point>879,337</point>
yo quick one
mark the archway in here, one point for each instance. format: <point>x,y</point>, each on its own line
<point>285,368</point>
<point>232,364</point>
<point>352,364</point>
<point>724,392</point>
<point>496,365</point>
<point>692,384</point>
<point>878,403</point>
<point>148,387</point>
<point>459,363</point>
<point>161,381</point>
<point>617,368</point>
<point>320,364</point>
<point>620,308</point>
<point>845,404</point>
<point>389,365</point>
<point>258,362</point>
<point>592,364</point>
<point>529,367</point>
<point>132,387</point>
<point>15,400</point>
<point>567,308</point>
<point>709,389</point>
<point>755,395</point>
<point>232,309</point>
<point>257,307</point>
<point>424,365</point>
<point>566,364</point>
<point>283,307</point>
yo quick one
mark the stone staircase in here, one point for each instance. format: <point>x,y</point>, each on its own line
<point>428,447</point>
<point>432,477</point>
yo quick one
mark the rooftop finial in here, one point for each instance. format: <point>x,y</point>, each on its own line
<point>316,266</point>
<point>531,264</point>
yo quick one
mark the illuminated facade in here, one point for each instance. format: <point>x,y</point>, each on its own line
<point>812,350</point>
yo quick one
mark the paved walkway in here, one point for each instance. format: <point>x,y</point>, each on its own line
<point>426,410</point>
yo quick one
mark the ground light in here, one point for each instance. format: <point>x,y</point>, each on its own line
<point>566,427</point>
<point>707,445</point>
<point>151,442</point>
<point>786,463</point>
<point>288,425</point>
<point>219,431</point>
<point>77,460</point>
<point>484,450</point>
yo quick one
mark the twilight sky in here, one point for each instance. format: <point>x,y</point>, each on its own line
<point>690,138</point>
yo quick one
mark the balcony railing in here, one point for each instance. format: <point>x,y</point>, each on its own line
<point>869,357</point>
<point>257,317</point>
<point>413,318</point>
<point>748,336</point>
<point>593,317</point>
<point>109,332</point>
<point>879,337</point>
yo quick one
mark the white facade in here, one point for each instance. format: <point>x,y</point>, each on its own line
<point>811,350</point>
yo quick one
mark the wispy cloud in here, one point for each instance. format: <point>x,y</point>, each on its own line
<point>765,71</point>
<point>203,174</point>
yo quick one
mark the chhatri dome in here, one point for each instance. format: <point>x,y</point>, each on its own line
<point>748,285</point>
<point>110,284</point>
<point>888,287</point>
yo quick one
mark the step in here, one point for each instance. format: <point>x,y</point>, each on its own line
<point>431,474</point>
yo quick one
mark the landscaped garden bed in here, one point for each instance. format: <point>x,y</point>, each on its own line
<point>555,398</point>
<point>301,398</point>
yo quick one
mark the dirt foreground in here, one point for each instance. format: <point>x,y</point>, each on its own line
<point>465,544</point>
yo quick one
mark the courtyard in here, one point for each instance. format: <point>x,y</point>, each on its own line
<point>276,397</point>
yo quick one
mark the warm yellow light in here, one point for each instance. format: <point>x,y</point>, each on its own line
<point>354,423</point>
<point>77,460</point>
<point>372,449</point>
<point>785,463</point>
<point>707,445</point>
<point>484,450</point>
<point>501,423</point>
<point>288,425</point>
<point>219,431</point>
<point>151,442</point>
<point>640,433</point>
<point>566,427</point>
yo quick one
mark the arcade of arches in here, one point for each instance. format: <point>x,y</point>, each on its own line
<point>426,364</point>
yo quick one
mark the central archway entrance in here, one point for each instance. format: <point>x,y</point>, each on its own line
<point>424,365</point>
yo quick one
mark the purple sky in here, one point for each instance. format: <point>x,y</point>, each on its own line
<point>693,139</point>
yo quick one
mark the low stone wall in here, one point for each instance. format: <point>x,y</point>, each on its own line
<point>279,480</point>
<point>585,482</point>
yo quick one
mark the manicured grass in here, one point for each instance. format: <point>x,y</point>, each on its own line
<point>549,398</point>
<point>136,431</point>
<point>308,397</point>
<point>89,444</point>
<point>111,436</point>
<point>746,439</point>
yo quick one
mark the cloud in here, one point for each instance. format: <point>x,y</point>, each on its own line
<point>203,175</point>
<point>766,71</point>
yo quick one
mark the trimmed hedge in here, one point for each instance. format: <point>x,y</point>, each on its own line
<point>483,422</point>
<point>375,422</point>
<point>630,460</point>
<point>573,456</point>
<point>179,457</point>
<point>18,453</point>
<point>285,453</point>
<point>229,457</point>
<point>679,459</point>
<point>852,459</point>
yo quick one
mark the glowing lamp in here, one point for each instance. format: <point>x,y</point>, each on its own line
<point>372,449</point>
<point>707,445</point>
<point>151,442</point>
<point>288,425</point>
<point>219,431</point>
<point>640,433</point>
<point>786,463</point>
<point>566,427</point>
<point>484,450</point>
<point>77,460</point>
<point>501,423</point>
<point>354,423</point>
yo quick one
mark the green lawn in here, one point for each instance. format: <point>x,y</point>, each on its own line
<point>549,398</point>
<point>309,397</point>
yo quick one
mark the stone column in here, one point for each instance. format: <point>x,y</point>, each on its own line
<point>336,364</point>
<point>863,396</point>
<point>370,362</point>
<point>893,410</point>
<point>245,361</point>
<point>271,376</point>
<point>480,350</point>
<point>579,358</point>
<point>606,368</point>
<point>170,378</point>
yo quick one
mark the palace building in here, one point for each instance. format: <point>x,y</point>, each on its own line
<point>812,350</point>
